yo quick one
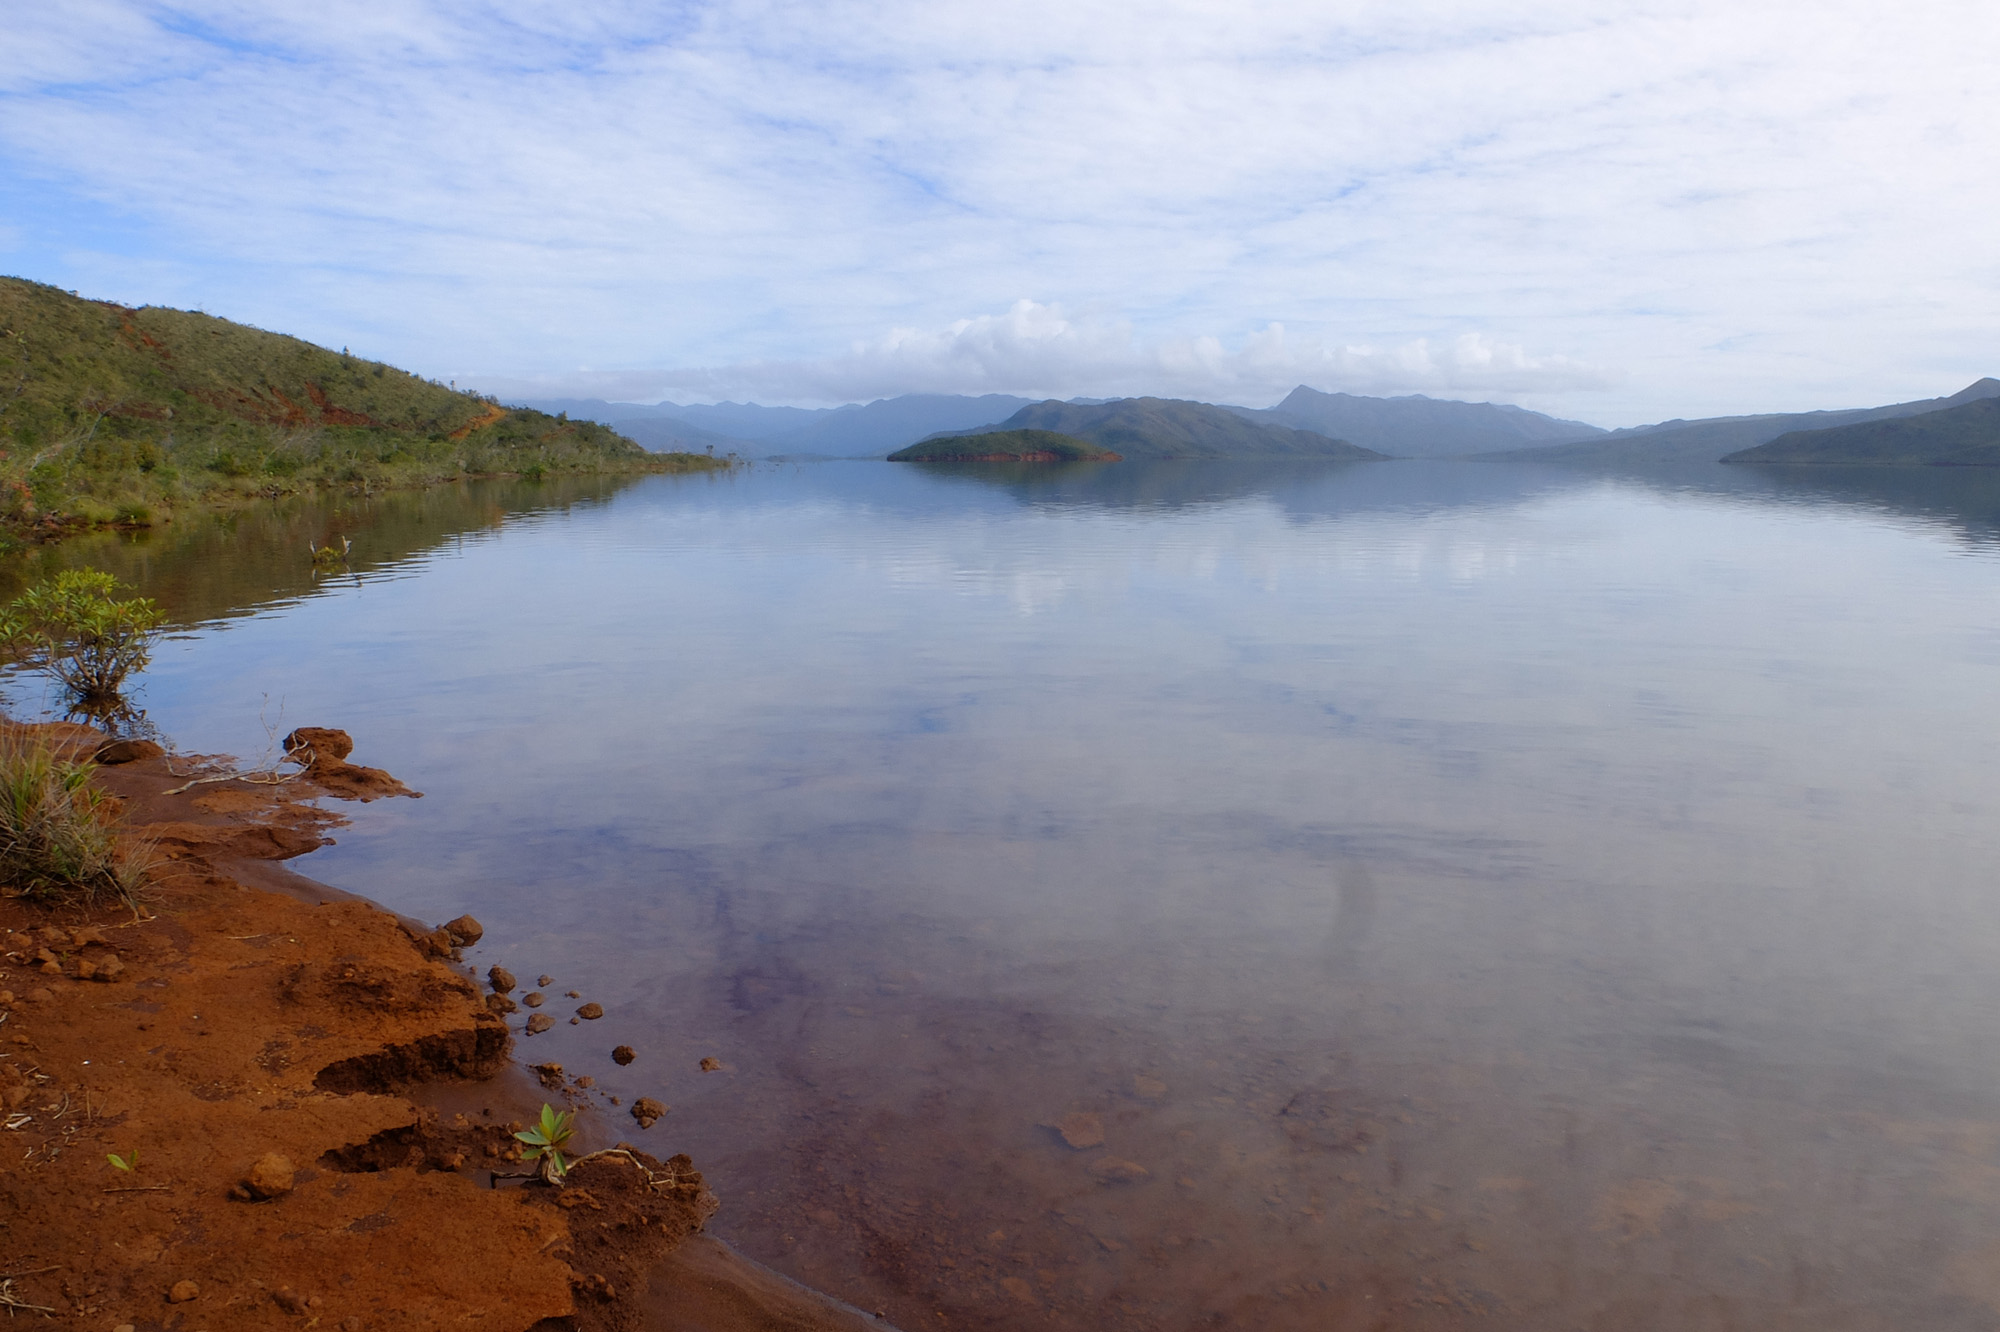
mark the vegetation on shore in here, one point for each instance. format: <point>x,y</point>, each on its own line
<point>115,415</point>
<point>1005,446</point>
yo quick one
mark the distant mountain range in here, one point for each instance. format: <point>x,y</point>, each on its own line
<point>1308,423</point>
<point>1708,440</point>
<point>858,430</point>
<point>1967,435</point>
<point>1420,427</point>
<point>1173,428</point>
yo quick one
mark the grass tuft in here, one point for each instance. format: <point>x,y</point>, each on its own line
<point>58,843</point>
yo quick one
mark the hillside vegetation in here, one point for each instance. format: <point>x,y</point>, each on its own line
<point>1006,446</point>
<point>1962,436</point>
<point>110,414</point>
<point>1174,428</point>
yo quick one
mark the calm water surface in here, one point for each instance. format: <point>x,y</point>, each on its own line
<point>1463,895</point>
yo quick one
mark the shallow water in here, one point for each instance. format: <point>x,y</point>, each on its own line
<point>1462,893</point>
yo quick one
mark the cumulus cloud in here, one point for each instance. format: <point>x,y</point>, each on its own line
<point>1038,350</point>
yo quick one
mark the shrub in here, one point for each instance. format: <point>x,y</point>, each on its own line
<point>78,631</point>
<point>56,840</point>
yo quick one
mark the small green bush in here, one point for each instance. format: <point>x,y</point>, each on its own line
<point>76,629</point>
<point>57,844</point>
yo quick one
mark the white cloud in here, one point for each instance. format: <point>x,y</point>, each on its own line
<point>1730,204</point>
<point>1039,351</point>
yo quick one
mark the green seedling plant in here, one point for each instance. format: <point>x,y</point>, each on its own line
<point>547,1139</point>
<point>129,1163</point>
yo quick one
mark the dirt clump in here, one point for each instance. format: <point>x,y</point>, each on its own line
<point>245,1047</point>
<point>648,1111</point>
<point>622,1055</point>
<point>272,1177</point>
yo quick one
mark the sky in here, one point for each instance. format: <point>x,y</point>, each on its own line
<point>1614,210</point>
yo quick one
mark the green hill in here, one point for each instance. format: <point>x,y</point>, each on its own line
<point>1005,446</point>
<point>1963,436</point>
<point>114,414</point>
<point>1711,439</point>
<point>1173,428</point>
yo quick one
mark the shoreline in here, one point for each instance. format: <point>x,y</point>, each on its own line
<point>322,1103</point>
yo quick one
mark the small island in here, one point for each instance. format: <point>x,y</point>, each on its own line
<point>1012,446</point>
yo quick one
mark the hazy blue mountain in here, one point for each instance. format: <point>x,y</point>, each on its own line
<point>869,430</point>
<point>1420,427</point>
<point>1708,440</point>
<point>1967,435</point>
<point>664,434</point>
<point>597,409</point>
<point>653,425</point>
<point>1175,428</point>
<point>879,428</point>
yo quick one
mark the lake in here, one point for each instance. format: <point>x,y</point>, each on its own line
<point>1154,896</point>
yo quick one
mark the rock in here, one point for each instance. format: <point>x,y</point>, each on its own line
<point>571,994</point>
<point>647,1110</point>
<point>591,1012</point>
<point>710,1064</point>
<point>437,943</point>
<point>551,1075</point>
<point>464,931</point>
<point>7,1001</point>
<point>318,744</point>
<point>113,752</point>
<point>271,1177</point>
<point>182,1292</point>
<point>85,935</point>
<point>500,1003</point>
<point>621,1055</point>
<point>532,998</point>
<point>104,969</point>
<point>38,995</point>
<point>546,981</point>
<point>586,1082</point>
<point>1081,1129</point>
<point>289,1300</point>
<point>1111,1170</point>
<point>540,1023</point>
<point>574,1021</point>
<point>501,979</point>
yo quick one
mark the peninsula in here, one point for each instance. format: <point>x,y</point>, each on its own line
<point>119,415</point>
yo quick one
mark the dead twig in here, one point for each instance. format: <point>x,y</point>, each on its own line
<point>10,1303</point>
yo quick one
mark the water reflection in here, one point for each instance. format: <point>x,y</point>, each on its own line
<point>1308,897</point>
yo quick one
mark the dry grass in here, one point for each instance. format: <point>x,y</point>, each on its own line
<point>58,842</point>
